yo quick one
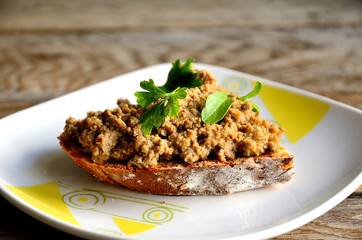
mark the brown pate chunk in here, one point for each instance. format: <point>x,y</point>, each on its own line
<point>115,136</point>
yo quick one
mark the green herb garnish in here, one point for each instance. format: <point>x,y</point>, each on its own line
<point>257,89</point>
<point>181,76</point>
<point>218,104</point>
<point>179,79</point>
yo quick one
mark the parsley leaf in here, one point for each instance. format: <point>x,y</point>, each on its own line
<point>145,99</point>
<point>153,117</point>
<point>179,79</point>
<point>218,104</point>
<point>181,76</point>
<point>156,115</point>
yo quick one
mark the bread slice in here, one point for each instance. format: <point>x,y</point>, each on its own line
<point>210,177</point>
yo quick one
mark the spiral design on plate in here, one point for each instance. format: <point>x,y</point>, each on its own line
<point>158,215</point>
<point>86,200</point>
<point>235,84</point>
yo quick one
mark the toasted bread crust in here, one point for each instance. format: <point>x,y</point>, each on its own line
<point>210,177</point>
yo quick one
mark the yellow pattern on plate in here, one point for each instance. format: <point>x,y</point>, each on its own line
<point>298,114</point>
<point>47,198</point>
<point>131,227</point>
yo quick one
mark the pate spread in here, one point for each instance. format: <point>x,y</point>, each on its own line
<point>115,135</point>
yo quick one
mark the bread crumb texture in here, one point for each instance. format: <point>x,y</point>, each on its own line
<point>115,135</point>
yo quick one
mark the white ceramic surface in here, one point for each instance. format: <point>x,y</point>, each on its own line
<point>34,171</point>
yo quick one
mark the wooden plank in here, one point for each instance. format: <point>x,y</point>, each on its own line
<point>342,222</point>
<point>36,67</point>
<point>110,15</point>
<point>7,108</point>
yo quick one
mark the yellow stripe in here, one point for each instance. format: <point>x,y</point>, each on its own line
<point>296,113</point>
<point>132,227</point>
<point>47,198</point>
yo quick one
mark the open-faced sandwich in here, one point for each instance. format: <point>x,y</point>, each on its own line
<point>187,137</point>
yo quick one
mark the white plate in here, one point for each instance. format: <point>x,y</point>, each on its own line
<point>35,175</point>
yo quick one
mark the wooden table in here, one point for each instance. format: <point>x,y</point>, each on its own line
<point>49,48</point>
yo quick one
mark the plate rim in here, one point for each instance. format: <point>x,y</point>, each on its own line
<point>282,228</point>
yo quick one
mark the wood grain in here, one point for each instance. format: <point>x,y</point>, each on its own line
<point>49,48</point>
<point>333,224</point>
<point>39,67</point>
<point>110,15</point>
